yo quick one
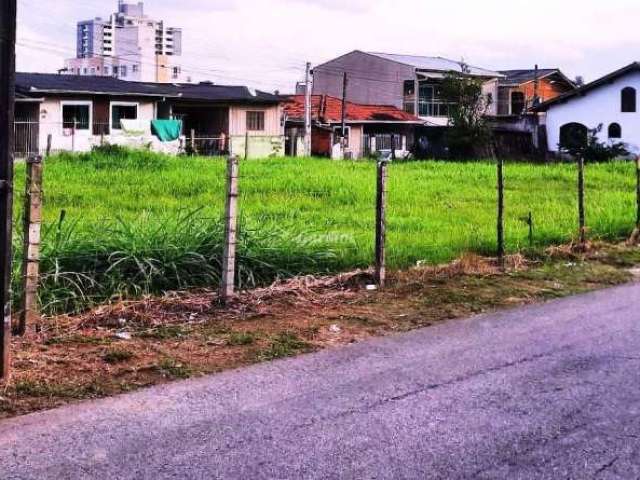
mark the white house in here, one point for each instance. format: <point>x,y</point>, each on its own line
<point>610,102</point>
<point>76,113</point>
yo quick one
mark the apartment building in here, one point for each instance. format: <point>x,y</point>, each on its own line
<point>128,45</point>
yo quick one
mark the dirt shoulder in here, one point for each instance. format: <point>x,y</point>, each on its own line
<point>126,346</point>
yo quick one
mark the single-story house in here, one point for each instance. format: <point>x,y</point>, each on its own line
<point>610,102</point>
<point>79,112</point>
<point>369,128</point>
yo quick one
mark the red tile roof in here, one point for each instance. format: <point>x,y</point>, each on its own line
<point>327,109</point>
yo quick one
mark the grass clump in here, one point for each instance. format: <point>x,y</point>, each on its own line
<point>174,369</point>
<point>286,344</point>
<point>115,356</point>
<point>237,339</point>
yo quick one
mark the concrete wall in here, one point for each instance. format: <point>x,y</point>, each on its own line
<point>599,106</point>
<point>372,80</point>
<point>491,88</point>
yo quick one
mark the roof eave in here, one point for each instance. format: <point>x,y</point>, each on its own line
<point>89,92</point>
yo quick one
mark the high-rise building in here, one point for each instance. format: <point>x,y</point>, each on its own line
<point>128,45</point>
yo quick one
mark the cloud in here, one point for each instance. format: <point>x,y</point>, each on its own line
<point>354,6</point>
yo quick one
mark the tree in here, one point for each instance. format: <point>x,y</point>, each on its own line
<point>468,134</point>
<point>590,147</point>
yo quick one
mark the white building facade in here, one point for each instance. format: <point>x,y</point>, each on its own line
<point>128,45</point>
<point>610,103</point>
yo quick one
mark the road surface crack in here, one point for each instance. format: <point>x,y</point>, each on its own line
<point>606,466</point>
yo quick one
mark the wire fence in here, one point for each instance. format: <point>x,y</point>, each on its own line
<point>189,250</point>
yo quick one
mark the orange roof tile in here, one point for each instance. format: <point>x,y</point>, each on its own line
<point>328,109</point>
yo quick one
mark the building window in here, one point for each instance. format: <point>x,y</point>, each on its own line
<point>255,121</point>
<point>122,111</point>
<point>615,130</point>
<point>628,100</point>
<point>176,72</point>
<point>85,70</point>
<point>106,70</point>
<point>134,68</point>
<point>115,71</point>
<point>123,71</point>
<point>337,135</point>
<point>573,136</point>
<point>76,115</point>
<point>517,103</point>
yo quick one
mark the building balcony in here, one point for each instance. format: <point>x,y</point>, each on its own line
<point>428,108</point>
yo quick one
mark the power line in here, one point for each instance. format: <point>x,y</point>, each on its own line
<point>64,50</point>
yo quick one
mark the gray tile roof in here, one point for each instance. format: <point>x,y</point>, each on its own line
<point>518,77</point>
<point>435,64</point>
<point>36,84</point>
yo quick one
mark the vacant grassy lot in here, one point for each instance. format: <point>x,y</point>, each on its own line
<point>136,223</point>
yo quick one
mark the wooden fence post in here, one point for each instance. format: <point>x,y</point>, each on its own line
<point>500,227</point>
<point>73,135</point>
<point>31,245</point>
<point>246,145</point>
<point>393,147</point>
<point>635,236</point>
<point>381,225</point>
<point>49,144</point>
<point>581,207</point>
<point>638,194</point>
<point>227,288</point>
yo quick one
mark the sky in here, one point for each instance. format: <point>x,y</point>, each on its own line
<point>266,43</point>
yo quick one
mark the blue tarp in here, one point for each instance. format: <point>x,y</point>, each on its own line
<point>166,130</point>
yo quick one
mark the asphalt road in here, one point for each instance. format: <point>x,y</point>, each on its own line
<point>550,391</point>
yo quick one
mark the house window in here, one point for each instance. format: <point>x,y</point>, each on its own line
<point>628,100</point>
<point>517,103</point>
<point>573,136</point>
<point>106,70</point>
<point>122,111</point>
<point>115,71</point>
<point>123,71</point>
<point>430,104</point>
<point>76,115</point>
<point>255,121</point>
<point>134,68</point>
<point>176,72</point>
<point>337,135</point>
<point>615,130</point>
<point>409,88</point>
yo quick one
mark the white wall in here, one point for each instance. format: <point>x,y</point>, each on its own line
<point>599,106</point>
<point>83,140</point>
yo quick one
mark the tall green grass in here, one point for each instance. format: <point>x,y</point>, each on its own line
<point>137,222</point>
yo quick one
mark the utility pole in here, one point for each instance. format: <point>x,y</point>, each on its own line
<point>536,87</point>
<point>7,102</point>
<point>307,112</point>
<point>345,84</point>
